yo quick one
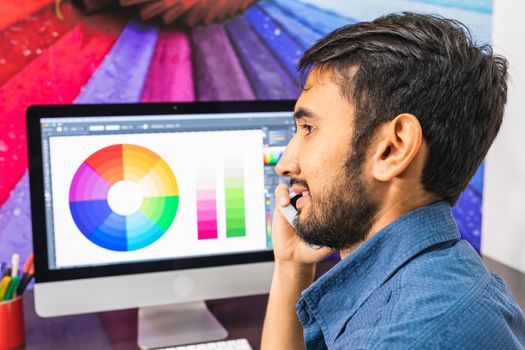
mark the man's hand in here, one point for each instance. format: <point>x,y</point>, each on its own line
<point>294,271</point>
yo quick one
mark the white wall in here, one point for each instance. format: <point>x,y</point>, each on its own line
<point>503,232</point>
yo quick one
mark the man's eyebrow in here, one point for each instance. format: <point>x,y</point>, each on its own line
<point>304,113</point>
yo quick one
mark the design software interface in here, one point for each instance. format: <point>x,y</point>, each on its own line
<point>134,188</point>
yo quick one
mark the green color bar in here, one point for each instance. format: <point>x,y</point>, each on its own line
<point>235,216</point>
<point>237,182</point>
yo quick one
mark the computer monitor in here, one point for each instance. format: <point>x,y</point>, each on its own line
<point>144,205</point>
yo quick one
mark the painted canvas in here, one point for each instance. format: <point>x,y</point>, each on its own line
<point>113,51</point>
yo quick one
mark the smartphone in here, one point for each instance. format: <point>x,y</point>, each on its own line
<point>290,211</point>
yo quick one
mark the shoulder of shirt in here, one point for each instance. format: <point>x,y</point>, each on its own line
<point>445,296</point>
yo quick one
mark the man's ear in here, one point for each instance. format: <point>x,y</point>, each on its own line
<point>397,144</point>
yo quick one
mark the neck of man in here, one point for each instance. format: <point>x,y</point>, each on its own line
<point>393,207</point>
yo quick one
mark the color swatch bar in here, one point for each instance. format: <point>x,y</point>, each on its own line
<point>268,208</point>
<point>234,197</point>
<point>206,204</point>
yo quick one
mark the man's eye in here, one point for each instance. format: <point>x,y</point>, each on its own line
<point>307,128</point>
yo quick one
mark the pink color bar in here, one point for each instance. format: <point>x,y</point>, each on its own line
<point>205,204</point>
<point>208,229</point>
<point>207,234</point>
<point>206,194</point>
<point>206,214</point>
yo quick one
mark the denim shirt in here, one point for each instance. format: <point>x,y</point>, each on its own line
<point>412,285</point>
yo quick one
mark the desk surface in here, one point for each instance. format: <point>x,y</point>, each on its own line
<point>242,317</point>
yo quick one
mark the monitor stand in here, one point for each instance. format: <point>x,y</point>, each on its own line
<point>177,324</point>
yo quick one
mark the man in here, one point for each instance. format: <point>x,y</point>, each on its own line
<point>395,117</point>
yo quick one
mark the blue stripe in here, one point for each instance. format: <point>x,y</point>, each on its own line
<point>268,78</point>
<point>467,213</point>
<point>320,20</point>
<point>301,33</point>
<point>287,50</point>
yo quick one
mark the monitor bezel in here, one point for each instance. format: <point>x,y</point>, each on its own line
<point>36,184</point>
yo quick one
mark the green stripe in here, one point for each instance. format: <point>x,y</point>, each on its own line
<point>235,222</point>
<point>235,191</point>
<point>234,182</point>
<point>236,232</point>
<point>234,200</point>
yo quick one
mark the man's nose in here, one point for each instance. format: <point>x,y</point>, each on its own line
<point>288,164</point>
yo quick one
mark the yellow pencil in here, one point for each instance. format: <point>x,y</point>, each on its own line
<point>3,286</point>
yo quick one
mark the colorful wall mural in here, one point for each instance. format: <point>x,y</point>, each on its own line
<point>109,51</point>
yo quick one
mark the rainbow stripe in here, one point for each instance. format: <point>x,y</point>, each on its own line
<point>120,77</point>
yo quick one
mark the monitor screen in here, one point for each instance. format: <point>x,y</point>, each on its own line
<point>121,190</point>
<point>141,188</point>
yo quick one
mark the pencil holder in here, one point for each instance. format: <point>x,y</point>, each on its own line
<point>12,334</point>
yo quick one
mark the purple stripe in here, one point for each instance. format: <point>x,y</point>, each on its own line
<point>15,223</point>
<point>121,76</point>
<point>218,73</point>
<point>268,77</point>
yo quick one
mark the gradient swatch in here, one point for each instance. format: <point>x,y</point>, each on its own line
<point>206,205</point>
<point>93,180</point>
<point>268,209</point>
<point>272,155</point>
<point>234,198</point>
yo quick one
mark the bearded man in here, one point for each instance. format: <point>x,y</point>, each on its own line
<point>395,117</point>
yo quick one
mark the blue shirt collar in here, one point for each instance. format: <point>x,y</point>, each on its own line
<point>338,294</point>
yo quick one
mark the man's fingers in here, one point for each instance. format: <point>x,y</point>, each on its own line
<point>317,254</point>
<point>325,252</point>
<point>282,195</point>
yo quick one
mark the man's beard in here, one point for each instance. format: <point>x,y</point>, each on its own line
<point>342,216</point>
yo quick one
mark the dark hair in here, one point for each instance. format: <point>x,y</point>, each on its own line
<point>428,66</point>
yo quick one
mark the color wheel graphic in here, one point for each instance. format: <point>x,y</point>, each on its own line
<point>123,197</point>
